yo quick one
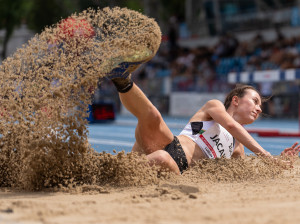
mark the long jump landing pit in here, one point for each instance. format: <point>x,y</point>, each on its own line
<point>50,174</point>
<point>183,199</point>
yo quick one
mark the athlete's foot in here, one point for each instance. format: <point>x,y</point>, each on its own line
<point>122,67</point>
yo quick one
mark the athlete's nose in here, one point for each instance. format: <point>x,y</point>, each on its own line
<point>258,109</point>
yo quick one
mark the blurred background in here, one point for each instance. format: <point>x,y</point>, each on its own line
<point>208,46</point>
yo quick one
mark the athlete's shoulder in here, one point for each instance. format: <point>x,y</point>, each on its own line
<point>204,113</point>
<point>214,103</point>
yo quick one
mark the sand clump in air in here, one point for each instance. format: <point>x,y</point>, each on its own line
<point>46,87</point>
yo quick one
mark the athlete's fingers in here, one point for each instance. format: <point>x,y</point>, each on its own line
<point>292,147</point>
<point>295,144</point>
<point>291,150</point>
<point>297,149</point>
<point>285,151</point>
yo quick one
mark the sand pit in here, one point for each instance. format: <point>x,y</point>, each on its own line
<point>183,199</point>
<point>50,174</point>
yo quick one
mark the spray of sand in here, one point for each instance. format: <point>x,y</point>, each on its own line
<point>46,87</point>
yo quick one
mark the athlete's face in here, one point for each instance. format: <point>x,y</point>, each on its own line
<point>248,107</point>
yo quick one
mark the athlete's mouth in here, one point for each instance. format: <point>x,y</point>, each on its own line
<point>255,114</point>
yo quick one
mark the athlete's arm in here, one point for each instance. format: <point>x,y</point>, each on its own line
<point>216,110</point>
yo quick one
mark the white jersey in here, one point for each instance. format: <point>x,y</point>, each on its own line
<point>214,140</point>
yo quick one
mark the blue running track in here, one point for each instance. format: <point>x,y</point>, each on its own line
<point>119,135</point>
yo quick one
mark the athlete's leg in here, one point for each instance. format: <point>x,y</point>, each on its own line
<point>151,133</point>
<point>164,160</point>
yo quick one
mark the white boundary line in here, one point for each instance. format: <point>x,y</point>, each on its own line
<point>110,142</point>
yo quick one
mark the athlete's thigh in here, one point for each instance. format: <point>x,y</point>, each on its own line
<point>152,136</point>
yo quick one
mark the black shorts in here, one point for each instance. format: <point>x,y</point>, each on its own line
<point>176,152</point>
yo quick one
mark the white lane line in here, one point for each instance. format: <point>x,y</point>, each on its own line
<point>274,140</point>
<point>130,143</point>
<point>115,134</point>
<point>134,123</point>
<point>259,126</point>
<point>110,142</point>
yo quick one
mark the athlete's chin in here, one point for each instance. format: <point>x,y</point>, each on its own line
<point>254,119</point>
<point>250,120</point>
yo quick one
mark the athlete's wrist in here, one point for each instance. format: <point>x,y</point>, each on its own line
<point>267,154</point>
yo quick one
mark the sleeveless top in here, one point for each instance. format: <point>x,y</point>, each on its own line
<point>213,139</point>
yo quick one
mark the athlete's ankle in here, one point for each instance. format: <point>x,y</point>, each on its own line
<point>123,85</point>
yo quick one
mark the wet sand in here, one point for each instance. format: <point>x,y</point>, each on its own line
<point>181,199</point>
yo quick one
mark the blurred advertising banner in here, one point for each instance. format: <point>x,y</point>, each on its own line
<point>264,76</point>
<point>185,104</point>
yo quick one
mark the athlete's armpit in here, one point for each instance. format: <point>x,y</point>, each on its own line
<point>239,151</point>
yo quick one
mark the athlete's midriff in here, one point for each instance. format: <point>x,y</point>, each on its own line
<point>192,150</point>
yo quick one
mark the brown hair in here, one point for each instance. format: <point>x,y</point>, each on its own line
<point>239,91</point>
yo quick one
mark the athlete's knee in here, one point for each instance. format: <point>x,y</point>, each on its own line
<point>153,116</point>
<point>137,149</point>
<point>159,156</point>
<point>163,159</point>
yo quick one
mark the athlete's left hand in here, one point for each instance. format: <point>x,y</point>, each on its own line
<point>291,154</point>
<point>291,151</point>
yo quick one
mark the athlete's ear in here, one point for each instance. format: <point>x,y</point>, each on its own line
<point>235,101</point>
